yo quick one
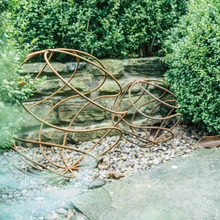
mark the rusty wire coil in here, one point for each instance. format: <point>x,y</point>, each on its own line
<point>141,123</point>
<point>67,170</point>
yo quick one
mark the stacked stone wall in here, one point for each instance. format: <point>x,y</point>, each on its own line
<point>87,78</point>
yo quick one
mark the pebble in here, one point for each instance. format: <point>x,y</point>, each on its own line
<point>126,158</point>
<point>21,198</point>
<point>24,191</point>
<point>39,198</point>
<point>156,161</point>
<point>6,191</point>
<point>88,182</point>
<point>4,196</point>
<point>127,150</point>
<point>96,183</point>
<point>49,217</point>
<point>62,211</point>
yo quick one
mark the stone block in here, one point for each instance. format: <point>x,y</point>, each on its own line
<point>50,135</point>
<point>71,66</point>
<point>82,84</point>
<point>111,87</point>
<point>149,66</point>
<point>114,67</point>
<point>41,111</point>
<point>36,67</point>
<point>87,136</point>
<point>69,109</point>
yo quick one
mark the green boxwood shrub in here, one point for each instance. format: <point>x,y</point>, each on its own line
<point>193,57</point>
<point>104,28</point>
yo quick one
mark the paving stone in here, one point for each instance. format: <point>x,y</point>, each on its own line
<point>191,191</point>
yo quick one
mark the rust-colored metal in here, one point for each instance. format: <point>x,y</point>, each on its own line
<point>66,170</point>
<point>141,122</point>
<point>152,134</point>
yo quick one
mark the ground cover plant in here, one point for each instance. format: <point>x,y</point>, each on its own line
<point>193,57</point>
<point>104,28</point>
<point>14,88</point>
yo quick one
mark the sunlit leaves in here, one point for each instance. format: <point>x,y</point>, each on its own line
<point>104,28</point>
<point>193,57</point>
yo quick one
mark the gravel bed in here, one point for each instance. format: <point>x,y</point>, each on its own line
<point>28,197</point>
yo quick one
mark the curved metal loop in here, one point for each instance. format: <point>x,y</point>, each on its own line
<point>141,121</point>
<point>79,163</point>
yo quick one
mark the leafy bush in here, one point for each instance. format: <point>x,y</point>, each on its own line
<point>13,87</point>
<point>104,28</point>
<point>193,57</point>
<point>7,5</point>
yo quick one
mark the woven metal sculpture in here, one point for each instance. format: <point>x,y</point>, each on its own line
<point>79,163</point>
<point>141,123</point>
<point>126,120</point>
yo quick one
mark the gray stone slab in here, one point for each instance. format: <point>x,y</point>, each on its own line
<point>184,188</point>
<point>94,203</point>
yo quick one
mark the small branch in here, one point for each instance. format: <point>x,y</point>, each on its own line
<point>61,8</point>
<point>87,28</point>
<point>152,43</point>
